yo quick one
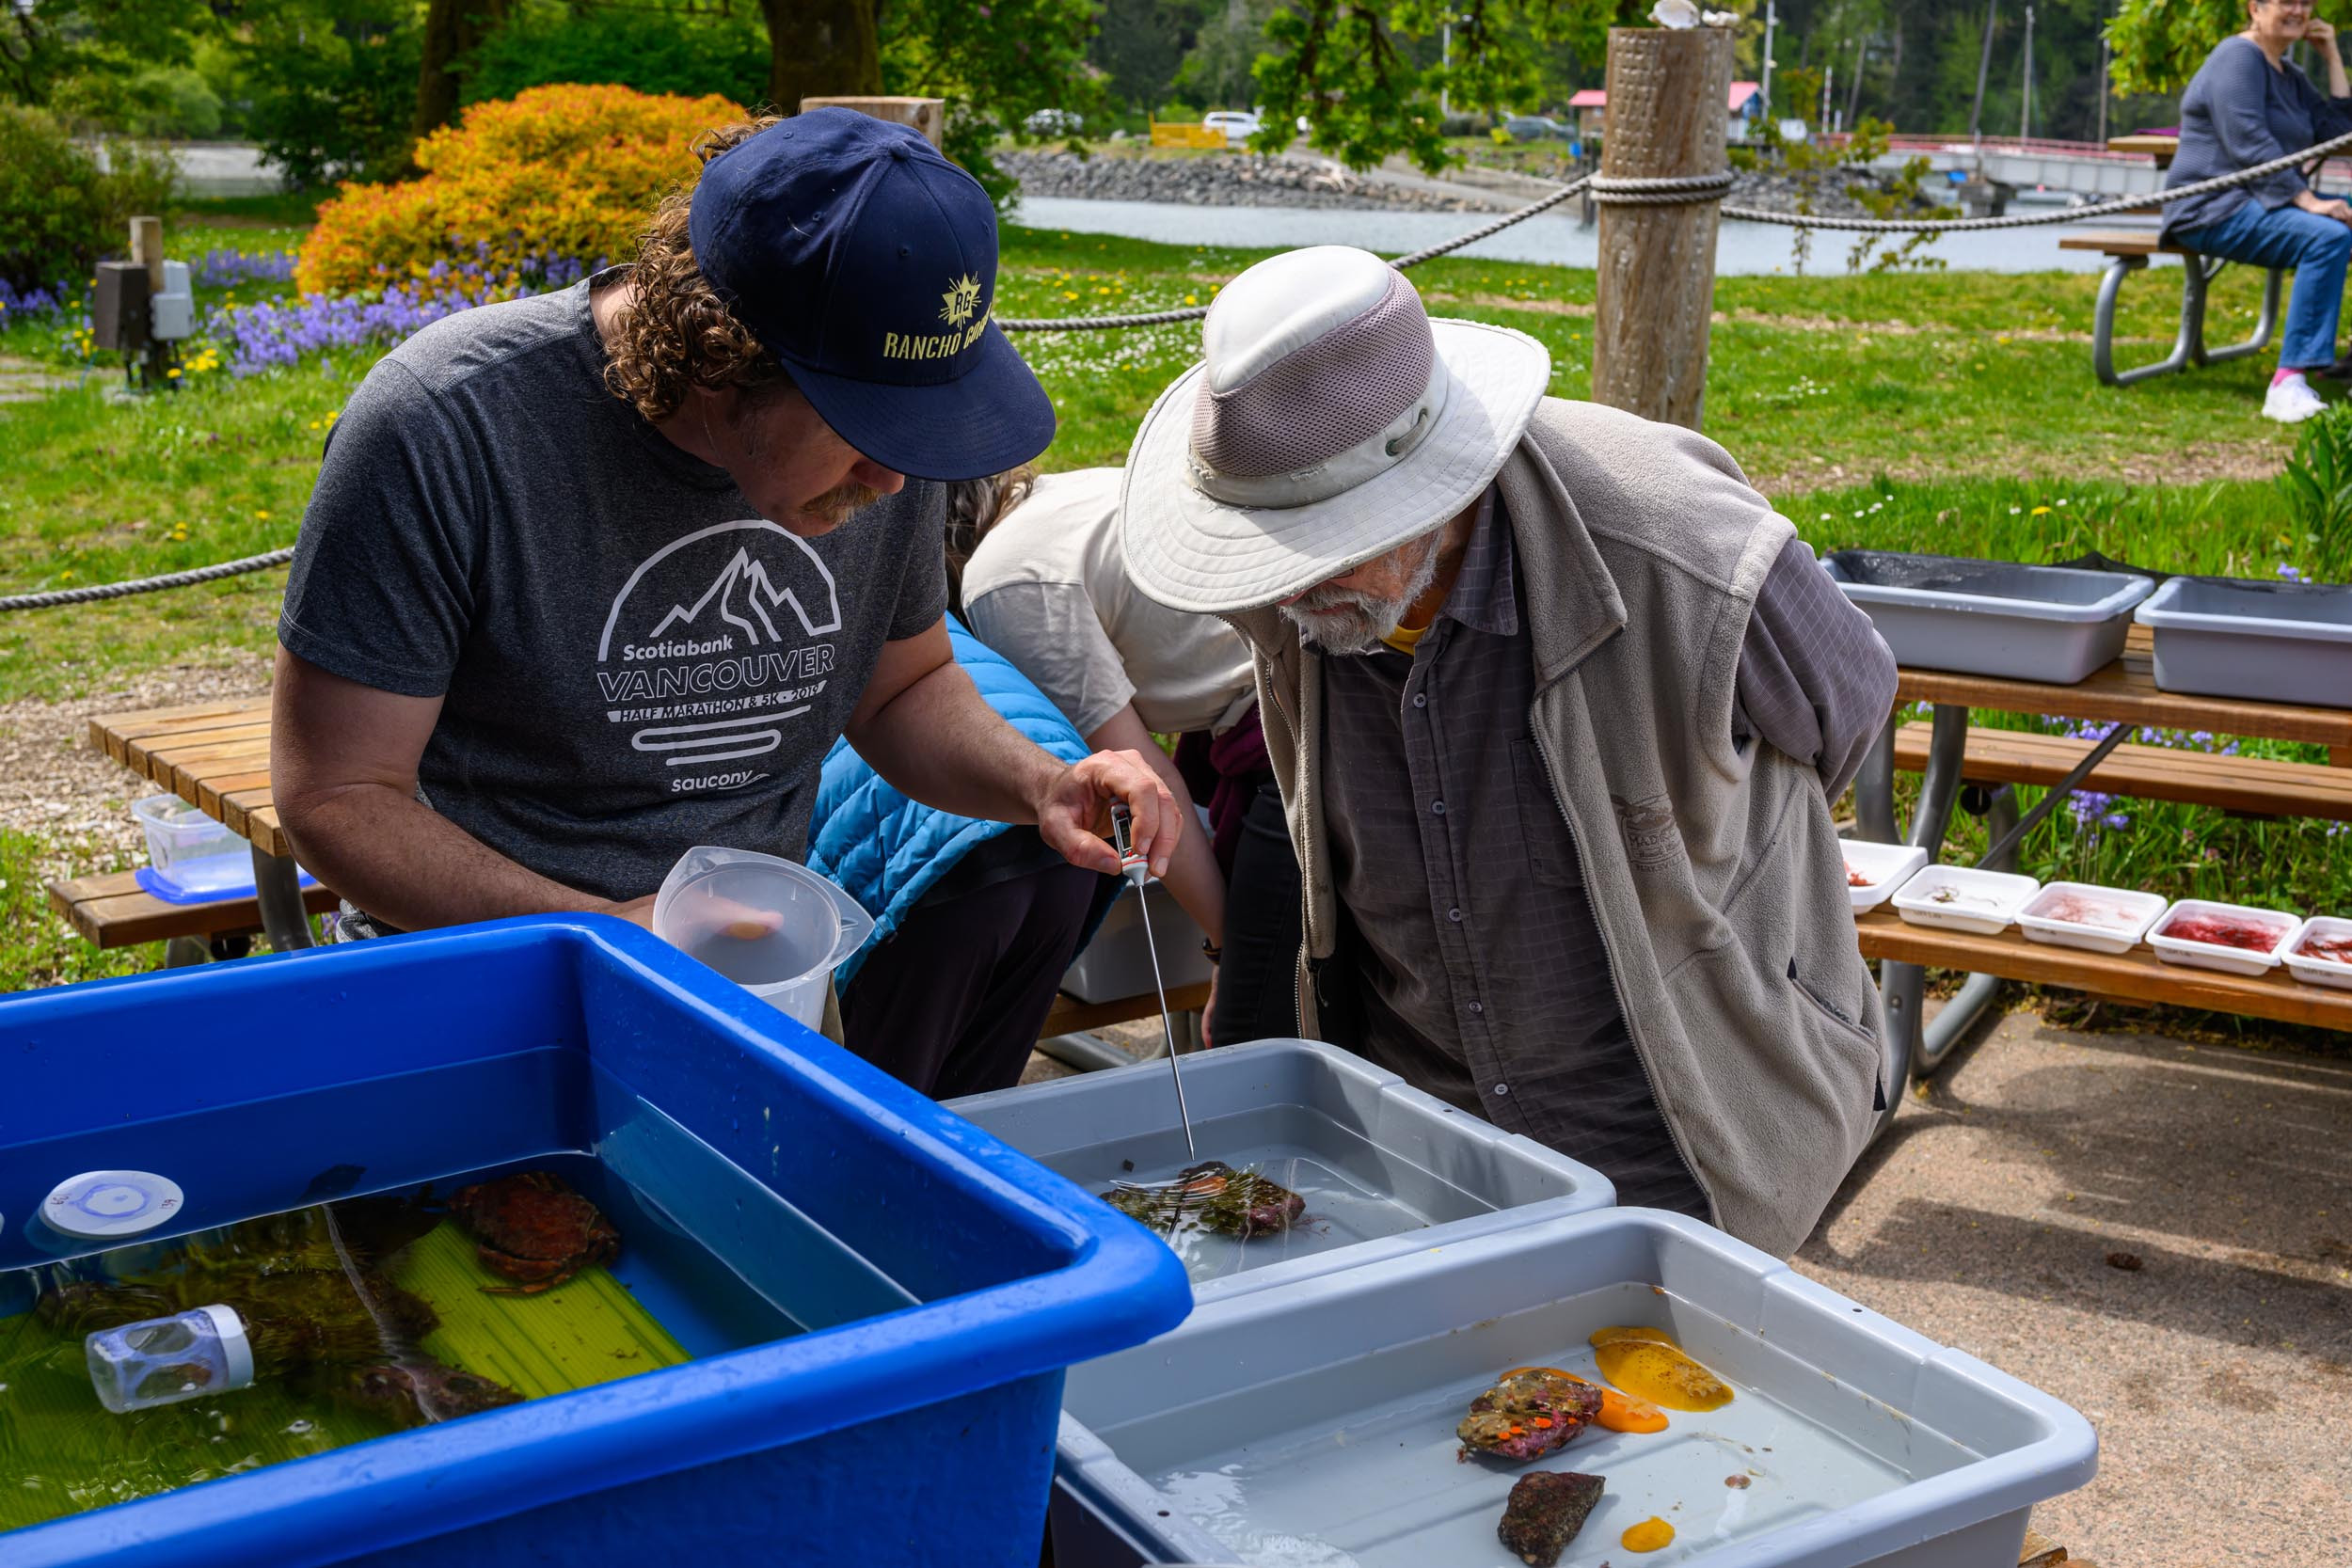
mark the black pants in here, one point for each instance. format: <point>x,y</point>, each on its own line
<point>1257,985</point>
<point>952,1003</point>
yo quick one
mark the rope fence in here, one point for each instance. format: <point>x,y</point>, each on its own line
<point>1663,191</point>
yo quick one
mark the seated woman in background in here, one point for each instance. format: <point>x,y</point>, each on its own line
<point>1038,576</point>
<point>2246,106</point>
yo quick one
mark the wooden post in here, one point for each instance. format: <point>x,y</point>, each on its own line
<point>926,114</point>
<point>1668,97</point>
<point>147,249</point>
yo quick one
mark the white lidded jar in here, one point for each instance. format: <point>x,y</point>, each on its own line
<point>166,1360</point>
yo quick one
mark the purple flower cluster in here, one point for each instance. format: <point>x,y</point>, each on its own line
<point>2094,810</point>
<point>29,302</point>
<point>226,269</point>
<point>271,332</point>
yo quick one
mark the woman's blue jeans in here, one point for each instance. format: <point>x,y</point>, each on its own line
<point>2316,248</point>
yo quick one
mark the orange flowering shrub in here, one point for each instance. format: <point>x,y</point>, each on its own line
<point>564,174</point>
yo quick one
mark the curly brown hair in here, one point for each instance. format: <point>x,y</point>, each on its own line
<point>973,507</point>
<point>672,333</point>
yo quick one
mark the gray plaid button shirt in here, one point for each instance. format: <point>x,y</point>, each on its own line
<point>1475,965</point>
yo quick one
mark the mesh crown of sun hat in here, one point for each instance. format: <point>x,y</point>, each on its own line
<point>1330,420</point>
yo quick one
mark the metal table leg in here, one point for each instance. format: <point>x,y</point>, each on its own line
<point>278,886</point>
<point>1903,986</point>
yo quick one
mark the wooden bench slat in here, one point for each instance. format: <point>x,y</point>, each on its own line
<point>212,788</point>
<point>264,832</point>
<point>2261,787</point>
<point>2138,975</point>
<point>1070,1016</point>
<point>2120,242</point>
<point>114,912</point>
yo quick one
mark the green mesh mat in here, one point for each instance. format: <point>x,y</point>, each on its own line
<point>60,1451</point>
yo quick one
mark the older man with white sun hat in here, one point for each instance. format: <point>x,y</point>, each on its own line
<point>1558,704</point>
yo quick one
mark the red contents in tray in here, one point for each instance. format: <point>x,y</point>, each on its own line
<point>2077,909</point>
<point>1856,878</point>
<point>2226,930</point>
<point>2334,949</point>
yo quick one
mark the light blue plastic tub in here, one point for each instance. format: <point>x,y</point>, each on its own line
<point>1999,618</point>
<point>1316,1425</point>
<point>943,1280</point>
<point>2271,642</point>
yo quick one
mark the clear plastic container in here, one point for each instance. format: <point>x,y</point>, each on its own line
<point>190,851</point>
<point>772,927</point>
<point>165,1360</point>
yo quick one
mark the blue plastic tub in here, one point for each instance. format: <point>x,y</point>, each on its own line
<point>913,1420</point>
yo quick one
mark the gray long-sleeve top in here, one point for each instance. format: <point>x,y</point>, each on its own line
<point>2239,111</point>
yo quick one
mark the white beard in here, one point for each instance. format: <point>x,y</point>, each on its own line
<point>1346,621</point>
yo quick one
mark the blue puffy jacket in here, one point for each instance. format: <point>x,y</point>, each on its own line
<point>885,850</point>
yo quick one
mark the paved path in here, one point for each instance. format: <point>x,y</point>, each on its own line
<point>2220,1372</point>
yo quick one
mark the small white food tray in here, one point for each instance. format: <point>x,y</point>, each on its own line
<point>2317,971</point>
<point>2213,954</point>
<point>1962,898</point>
<point>1888,866</point>
<point>2054,915</point>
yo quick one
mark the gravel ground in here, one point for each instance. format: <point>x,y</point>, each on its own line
<point>52,783</point>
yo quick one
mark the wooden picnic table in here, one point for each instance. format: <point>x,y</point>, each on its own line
<point>215,757</point>
<point>2123,693</point>
<point>2163,149</point>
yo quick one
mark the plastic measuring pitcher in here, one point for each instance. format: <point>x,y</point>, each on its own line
<point>772,927</point>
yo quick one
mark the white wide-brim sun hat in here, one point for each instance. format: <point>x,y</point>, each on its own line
<point>1291,332</point>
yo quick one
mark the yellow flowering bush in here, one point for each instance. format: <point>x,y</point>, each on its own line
<point>564,174</point>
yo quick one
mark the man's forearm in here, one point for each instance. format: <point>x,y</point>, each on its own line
<point>406,864</point>
<point>940,743</point>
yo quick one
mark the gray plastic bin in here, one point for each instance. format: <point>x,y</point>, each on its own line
<point>2273,641</point>
<point>2001,618</point>
<point>1315,1426</point>
<point>1386,1169</point>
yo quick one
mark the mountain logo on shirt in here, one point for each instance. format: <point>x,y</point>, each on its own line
<point>715,640</point>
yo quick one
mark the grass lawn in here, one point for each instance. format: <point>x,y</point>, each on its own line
<point>1954,413</point>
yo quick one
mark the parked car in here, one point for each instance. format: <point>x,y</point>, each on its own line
<point>1054,123</point>
<point>1239,125</point>
<point>1536,128</point>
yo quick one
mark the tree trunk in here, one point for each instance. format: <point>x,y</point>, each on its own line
<point>821,49</point>
<point>451,29</point>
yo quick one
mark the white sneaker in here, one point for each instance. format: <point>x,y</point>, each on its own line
<point>2292,401</point>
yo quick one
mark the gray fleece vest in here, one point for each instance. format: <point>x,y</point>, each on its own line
<point>1715,875</point>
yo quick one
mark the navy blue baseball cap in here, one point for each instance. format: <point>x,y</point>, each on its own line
<point>867,263</point>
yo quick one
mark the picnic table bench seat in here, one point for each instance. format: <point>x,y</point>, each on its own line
<point>2249,786</point>
<point>114,912</point>
<point>2128,250</point>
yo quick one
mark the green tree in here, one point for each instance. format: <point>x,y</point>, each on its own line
<point>996,62</point>
<point>1139,45</point>
<point>2160,44</point>
<point>80,56</point>
<point>685,52</point>
<point>1368,76</point>
<point>328,87</point>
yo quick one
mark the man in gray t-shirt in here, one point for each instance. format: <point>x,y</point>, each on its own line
<point>593,577</point>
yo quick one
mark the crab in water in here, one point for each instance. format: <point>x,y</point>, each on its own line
<point>411,1393</point>
<point>532,1227</point>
